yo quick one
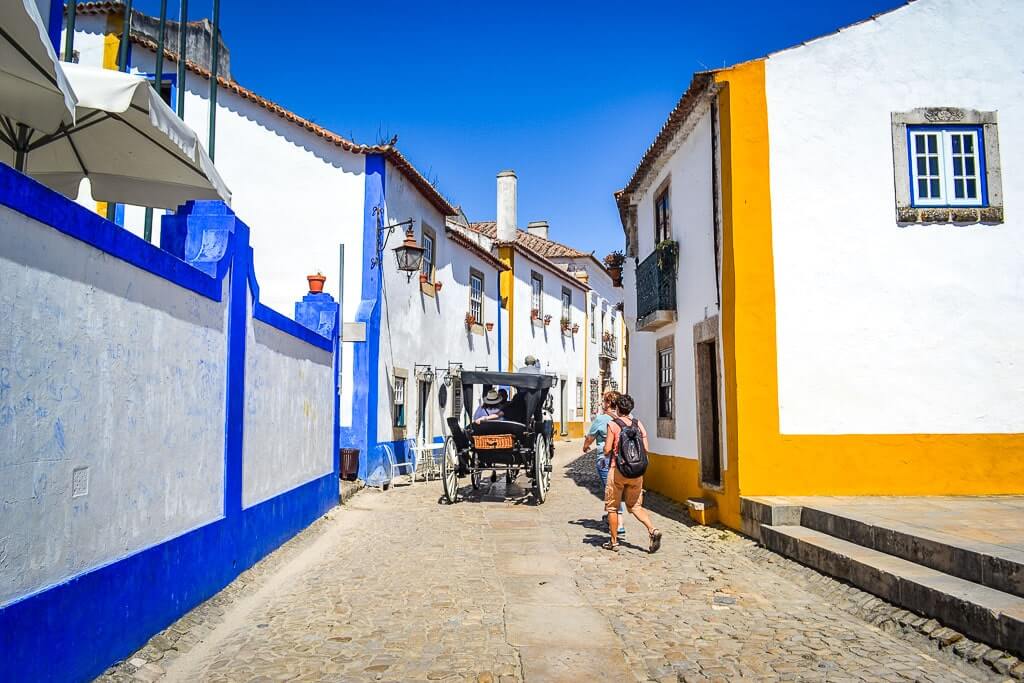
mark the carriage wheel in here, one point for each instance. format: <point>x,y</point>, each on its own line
<point>540,470</point>
<point>450,471</point>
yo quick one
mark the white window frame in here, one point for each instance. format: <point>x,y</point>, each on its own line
<point>944,161</point>
<point>476,296</point>
<point>537,294</point>
<point>666,380</point>
<point>567,304</point>
<point>429,255</point>
<point>399,401</point>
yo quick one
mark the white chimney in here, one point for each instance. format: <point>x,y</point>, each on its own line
<point>538,228</point>
<point>507,206</point>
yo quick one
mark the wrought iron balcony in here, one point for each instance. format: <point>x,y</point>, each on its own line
<point>656,290</point>
<point>609,348</point>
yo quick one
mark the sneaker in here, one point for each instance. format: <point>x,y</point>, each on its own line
<point>608,545</point>
<point>621,531</point>
<point>655,541</point>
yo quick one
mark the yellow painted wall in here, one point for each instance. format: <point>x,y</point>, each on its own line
<point>576,430</point>
<point>506,289</point>
<point>767,462</point>
<point>679,479</point>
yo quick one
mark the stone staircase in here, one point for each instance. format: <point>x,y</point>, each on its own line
<point>974,587</point>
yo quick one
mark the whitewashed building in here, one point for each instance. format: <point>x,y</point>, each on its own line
<point>306,192</point>
<point>826,261</point>
<point>547,297</point>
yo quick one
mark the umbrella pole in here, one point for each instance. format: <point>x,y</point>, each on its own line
<point>158,83</point>
<point>21,148</point>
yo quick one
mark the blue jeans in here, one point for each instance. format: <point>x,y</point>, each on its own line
<point>602,472</point>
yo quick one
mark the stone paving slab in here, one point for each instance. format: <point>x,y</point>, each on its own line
<point>397,586</point>
<point>559,665</point>
<point>565,626</point>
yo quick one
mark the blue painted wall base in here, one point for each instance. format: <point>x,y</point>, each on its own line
<point>74,630</point>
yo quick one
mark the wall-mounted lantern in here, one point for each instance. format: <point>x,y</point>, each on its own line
<point>408,255</point>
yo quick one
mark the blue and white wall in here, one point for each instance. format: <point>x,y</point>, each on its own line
<point>161,430</point>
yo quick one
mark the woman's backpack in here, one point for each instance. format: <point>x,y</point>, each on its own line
<point>630,455</point>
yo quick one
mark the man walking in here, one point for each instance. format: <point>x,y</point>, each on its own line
<point>596,436</point>
<point>626,444</point>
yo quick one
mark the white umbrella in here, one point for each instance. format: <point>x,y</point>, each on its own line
<point>131,145</point>
<point>33,90</point>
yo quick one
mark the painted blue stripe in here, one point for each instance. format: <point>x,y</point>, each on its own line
<point>285,324</point>
<point>234,424</point>
<point>366,355</point>
<point>33,199</point>
<point>78,628</point>
<point>54,24</point>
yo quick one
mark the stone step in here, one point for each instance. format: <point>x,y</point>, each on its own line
<point>990,565</point>
<point>979,612</point>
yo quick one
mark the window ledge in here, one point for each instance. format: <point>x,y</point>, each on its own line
<point>957,214</point>
<point>428,288</point>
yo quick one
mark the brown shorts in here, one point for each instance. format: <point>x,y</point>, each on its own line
<point>622,488</point>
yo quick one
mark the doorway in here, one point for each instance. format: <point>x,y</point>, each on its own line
<point>423,426</point>
<point>563,406</point>
<point>709,413</point>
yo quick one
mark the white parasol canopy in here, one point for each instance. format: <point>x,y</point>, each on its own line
<point>131,145</point>
<point>33,90</point>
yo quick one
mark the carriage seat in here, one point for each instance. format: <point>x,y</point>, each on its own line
<point>495,427</point>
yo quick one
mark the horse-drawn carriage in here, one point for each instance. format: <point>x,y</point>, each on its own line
<point>518,442</point>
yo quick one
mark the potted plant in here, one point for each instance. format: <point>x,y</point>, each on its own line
<point>565,323</point>
<point>437,286</point>
<point>575,328</point>
<point>535,314</point>
<point>668,254</point>
<point>489,326</point>
<point>316,282</point>
<point>470,320</point>
<point>614,262</point>
<point>607,336</point>
<point>423,278</point>
<point>547,320</point>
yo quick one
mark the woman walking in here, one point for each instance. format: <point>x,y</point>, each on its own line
<point>597,434</point>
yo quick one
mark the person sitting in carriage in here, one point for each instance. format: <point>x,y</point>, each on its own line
<point>492,408</point>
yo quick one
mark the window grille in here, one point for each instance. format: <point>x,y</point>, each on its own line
<point>665,383</point>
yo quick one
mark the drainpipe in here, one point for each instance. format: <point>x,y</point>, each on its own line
<point>69,35</point>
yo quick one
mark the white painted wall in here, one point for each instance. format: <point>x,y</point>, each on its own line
<point>301,196</point>
<point>689,171</point>
<point>111,370</point>
<point>559,355</point>
<point>428,329</point>
<point>885,329</point>
<point>603,297</point>
<point>289,413</point>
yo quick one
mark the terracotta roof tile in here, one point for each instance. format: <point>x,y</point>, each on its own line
<point>457,237</point>
<point>544,247</point>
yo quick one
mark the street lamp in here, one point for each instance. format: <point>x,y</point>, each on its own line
<point>409,255</point>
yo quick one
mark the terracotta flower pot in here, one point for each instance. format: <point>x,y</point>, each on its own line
<point>490,326</point>
<point>437,286</point>
<point>423,278</point>
<point>316,283</point>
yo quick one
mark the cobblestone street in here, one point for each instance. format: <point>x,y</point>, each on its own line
<point>396,586</point>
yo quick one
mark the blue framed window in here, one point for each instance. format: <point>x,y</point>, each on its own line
<point>947,166</point>
<point>168,87</point>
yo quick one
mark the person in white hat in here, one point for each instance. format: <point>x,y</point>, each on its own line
<point>532,365</point>
<point>490,409</point>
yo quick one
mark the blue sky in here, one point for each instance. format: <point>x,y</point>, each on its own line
<point>568,94</point>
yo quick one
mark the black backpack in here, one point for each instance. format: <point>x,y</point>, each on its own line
<point>631,456</point>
